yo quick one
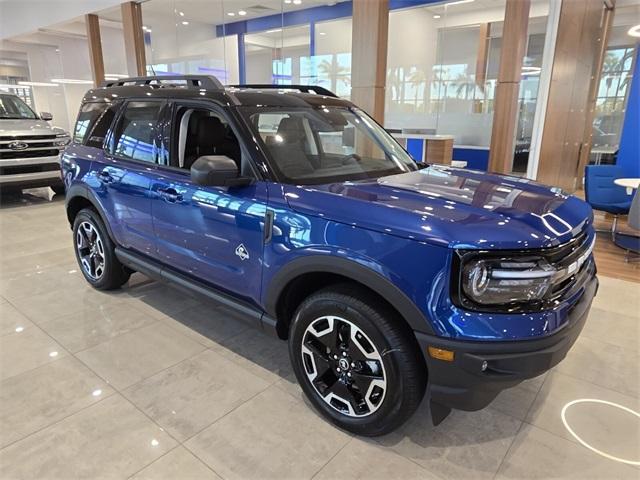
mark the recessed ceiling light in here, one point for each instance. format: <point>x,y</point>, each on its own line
<point>287,1</point>
<point>436,16</point>
<point>323,33</point>
<point>275,30</point>
<point>72,81</point>
<point>634,31</point>
<point>297,2</point>
<point>458,2</point>
<point>231,14</point>
<point>37,84</point>
<point>185,23</point>
<point>242,13</point>
<point>181,14</point>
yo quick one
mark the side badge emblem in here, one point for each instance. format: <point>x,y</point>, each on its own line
<point>242,252</point>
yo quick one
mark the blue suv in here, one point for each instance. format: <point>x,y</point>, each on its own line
<point>299,211</point>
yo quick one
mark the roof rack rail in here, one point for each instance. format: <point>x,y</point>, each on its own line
<point>301,88</point>
<point>192,81</point>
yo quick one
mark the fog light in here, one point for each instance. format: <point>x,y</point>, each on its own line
<point>440,354</point>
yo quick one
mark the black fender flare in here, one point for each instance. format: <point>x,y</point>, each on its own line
<point>354,271</point>
<point>82,191</point>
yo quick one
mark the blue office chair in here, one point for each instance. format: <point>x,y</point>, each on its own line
<point>604,195</point>
<point>630,241</point>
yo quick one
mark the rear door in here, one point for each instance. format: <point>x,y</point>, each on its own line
<point>214,234</point>
<point>131,154</point>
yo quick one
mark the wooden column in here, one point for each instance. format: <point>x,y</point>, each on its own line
<point>574,75</point>
<point>596,73</point>
<point>95,48</point>
<point>134,38</point>
<point>514,44</point>
<point>369,55</point>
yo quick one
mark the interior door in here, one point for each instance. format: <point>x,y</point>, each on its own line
<point>214,234</point>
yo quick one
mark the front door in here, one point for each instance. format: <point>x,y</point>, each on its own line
<point>214,234</point>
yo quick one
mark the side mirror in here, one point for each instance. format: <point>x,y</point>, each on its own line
<point>217,171</point>
<point>46,116</point>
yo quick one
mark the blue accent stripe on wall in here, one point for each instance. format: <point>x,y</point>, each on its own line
<point>312,39</point>
<point>629,152</point>
<point>477,159</point>
<point>415,147</point>
<point>306,15</point>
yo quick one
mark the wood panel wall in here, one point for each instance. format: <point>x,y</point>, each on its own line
<point>514,45</point>
<point>575,67</point>
<point>96,59</point>
<point>369,55</point>
<point>134,38</point>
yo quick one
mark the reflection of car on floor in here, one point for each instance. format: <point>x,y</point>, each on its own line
<point>29,147</point>
<point>296,209</point>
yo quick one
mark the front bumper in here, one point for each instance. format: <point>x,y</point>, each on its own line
<point>30,172</point>
<point>463,384</point>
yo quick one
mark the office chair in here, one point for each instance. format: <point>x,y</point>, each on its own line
<point>629,241</point>
<point>603,194</point>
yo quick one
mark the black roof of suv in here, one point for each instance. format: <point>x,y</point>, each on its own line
<point>210,88</point>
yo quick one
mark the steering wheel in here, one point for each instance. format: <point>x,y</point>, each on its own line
<point>354,156</point>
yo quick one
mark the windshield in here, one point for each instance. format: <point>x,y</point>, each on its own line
<point>12,107</point>
<point>327,144</point>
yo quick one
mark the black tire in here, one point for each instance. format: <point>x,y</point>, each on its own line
<point>113,274</point>
<point>403,367</point>
<point>58,189</point>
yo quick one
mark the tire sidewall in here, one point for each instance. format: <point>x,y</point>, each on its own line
<point>392,402</point>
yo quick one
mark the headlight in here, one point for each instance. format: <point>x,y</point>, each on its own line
<point>503,281</point>
<point>62,139</point>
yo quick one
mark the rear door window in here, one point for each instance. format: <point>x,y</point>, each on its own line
<point>137,135</point>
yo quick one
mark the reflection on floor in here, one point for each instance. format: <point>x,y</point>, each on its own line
<point>150,383</point>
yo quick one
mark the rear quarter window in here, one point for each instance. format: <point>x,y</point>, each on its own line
<point>89,114</point>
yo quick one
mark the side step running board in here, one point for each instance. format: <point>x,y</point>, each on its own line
<point>252,315</point>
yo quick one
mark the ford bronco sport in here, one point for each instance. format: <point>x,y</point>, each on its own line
<point>29,147</point>
<point>296,209</point>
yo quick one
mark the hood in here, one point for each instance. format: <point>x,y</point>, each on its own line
<point>18,127</point>
<point>453,207</point>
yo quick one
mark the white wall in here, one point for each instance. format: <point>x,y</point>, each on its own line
<point>24,16</point>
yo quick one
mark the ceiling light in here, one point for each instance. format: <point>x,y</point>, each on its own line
<point>38,84</point>
<point>115,76</point>
<point>297,2</point>
<point>323,33</point>
<point>242,13</point>
<point>185,23</point>
<point>10,85</point>
<point>72,81</point>
<point>436,16</point>
<point>275,30</point>
<point>458,2</point>
<point>634,31</point>
<point>287,1</point>
<point>181,14</point>
<point>231,14</point>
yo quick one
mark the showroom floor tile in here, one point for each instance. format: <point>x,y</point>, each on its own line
<point>149,383</point>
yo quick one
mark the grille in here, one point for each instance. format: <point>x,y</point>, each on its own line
<point>27,153</point>
<point>18,169</point>
<point>26,137</point>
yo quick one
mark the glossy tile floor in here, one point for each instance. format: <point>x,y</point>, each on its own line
<point>149,383</point>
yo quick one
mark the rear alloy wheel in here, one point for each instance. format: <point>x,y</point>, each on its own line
<point>356,360</point>
<point>95,252</point>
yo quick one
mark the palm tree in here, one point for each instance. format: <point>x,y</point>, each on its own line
<point>418,79</point>
<point>331,70</point>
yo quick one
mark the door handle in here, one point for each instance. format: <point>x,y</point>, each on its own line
<point>105,177</point>
<point>170,195</point>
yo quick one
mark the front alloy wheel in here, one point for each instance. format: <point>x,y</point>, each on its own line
<point>344,366</point>
<point>356,360</point>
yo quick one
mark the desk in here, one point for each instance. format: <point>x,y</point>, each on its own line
<point>630,184</point>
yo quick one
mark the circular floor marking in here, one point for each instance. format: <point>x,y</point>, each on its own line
<point>582,442</point>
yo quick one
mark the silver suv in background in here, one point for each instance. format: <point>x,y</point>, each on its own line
<point>30,148</point>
